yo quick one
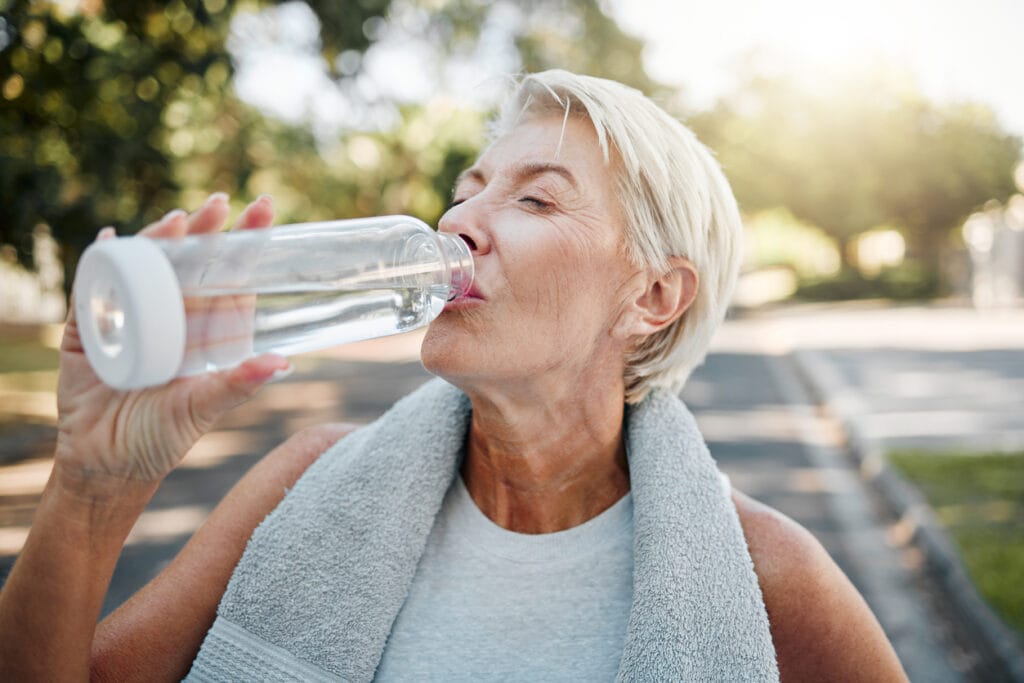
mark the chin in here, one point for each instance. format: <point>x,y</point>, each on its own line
<point>440,352</point>
<point>456,355</point>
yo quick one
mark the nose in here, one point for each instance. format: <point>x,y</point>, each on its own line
<point>466,221</point>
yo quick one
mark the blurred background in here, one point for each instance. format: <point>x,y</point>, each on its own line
<point>875,148</point>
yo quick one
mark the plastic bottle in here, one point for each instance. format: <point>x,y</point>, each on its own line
<point>149,310</point>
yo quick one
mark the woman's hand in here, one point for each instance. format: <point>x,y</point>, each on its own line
<point>113,448</point>
<point>110,439</point>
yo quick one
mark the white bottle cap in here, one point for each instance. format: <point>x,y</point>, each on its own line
<point>130,313</point>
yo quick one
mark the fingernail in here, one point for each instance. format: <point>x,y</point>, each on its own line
<point>282,373</point>
<point>170,215</point>
<point>216,197</point>
<point>264,198</point>
<point>106,233</point>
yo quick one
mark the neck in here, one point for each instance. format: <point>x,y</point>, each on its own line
<point>546,460</point>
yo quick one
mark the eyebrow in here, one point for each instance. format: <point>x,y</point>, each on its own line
<point>530,169</point>
<point>474,173</point>
<point>536,168</point>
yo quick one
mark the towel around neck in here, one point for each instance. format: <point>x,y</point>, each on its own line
<point>324,576</point>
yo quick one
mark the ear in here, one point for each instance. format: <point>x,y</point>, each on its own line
<point>664,299</point>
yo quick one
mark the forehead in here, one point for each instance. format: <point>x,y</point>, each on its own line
<point>549,143</point>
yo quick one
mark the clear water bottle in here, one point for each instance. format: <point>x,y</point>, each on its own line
<point>149,310</point>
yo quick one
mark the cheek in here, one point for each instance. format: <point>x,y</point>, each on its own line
<point>565,286</point>
<point>544,276</point>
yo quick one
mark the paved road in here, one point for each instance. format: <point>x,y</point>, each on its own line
<point>930,399</point>
<point>932,377</point>
<point>771,440</point>
<point>755,414</point>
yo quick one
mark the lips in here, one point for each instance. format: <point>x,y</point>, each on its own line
<point>472,297</point>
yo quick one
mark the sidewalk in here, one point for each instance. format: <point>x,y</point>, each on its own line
<point>928,377</point>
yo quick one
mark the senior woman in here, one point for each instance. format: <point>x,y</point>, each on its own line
<point>545,511</point>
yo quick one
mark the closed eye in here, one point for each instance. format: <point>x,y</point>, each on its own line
<point>536,202</point>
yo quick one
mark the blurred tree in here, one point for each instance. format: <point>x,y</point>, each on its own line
<point>112,111</point>
<point>578,35</point>
<point>781,146</point>
<point>101,100</point>
<point>941,163</point>
<point>860,154</point>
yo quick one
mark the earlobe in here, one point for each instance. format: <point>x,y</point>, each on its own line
<point>665,299</point>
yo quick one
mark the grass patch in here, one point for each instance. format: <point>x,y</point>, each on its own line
<point>979,500</point>
<point>27,356</point>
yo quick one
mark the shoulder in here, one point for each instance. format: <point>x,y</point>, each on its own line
<point>821,627</point>
<point>261,489</point>
<point>294,456</point>
<point>782,550</point>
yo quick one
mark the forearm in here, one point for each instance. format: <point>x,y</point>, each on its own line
<point>156,634</point>
<point>52,599</point>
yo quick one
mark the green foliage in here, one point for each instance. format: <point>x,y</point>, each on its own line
<point>979,499</point>
<point>861,154</point>
<point>577,35</point>
<point>908,281</point>
<point>115,111</point>
<point>85,97</point>
<point>774,237</point>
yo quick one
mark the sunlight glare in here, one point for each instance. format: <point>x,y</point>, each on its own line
<point>954,50</point>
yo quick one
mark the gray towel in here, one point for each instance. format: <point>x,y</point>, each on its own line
<point>324,576</point>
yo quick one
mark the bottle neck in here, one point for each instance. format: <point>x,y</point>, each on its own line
<point>460,264</point>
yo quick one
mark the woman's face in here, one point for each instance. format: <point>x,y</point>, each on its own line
<point>552,278</point>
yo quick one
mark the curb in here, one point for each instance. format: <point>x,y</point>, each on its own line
<point>994,639</point>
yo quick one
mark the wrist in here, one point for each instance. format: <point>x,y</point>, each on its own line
<point>99,490</point>
<point>86,525</point>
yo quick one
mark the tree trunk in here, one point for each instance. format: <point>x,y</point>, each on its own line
<point>927,250</point>
<point>847,257</point>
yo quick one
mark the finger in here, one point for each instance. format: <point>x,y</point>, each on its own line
<point>210,216</point>
<point>173,224</point>
<point>259,214</point>
<point>221,391</point>
<point>71,342</point>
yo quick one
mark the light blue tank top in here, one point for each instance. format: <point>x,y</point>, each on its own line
<point>491,604</point>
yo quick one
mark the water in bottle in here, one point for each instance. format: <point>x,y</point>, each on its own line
<point>152,309</point>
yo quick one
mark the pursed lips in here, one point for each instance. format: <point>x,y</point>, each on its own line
<point>471,298</point>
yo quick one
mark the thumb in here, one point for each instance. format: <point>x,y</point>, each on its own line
<point>224,390</point>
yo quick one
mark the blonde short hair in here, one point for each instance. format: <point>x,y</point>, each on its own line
<point>676,201</point>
